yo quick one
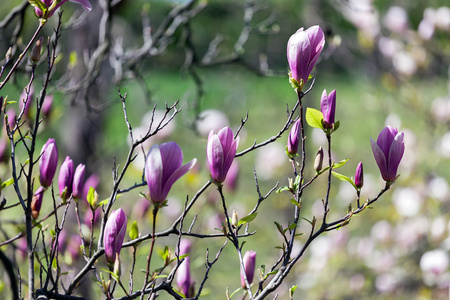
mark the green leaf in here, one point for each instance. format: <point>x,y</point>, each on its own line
<point>161,276</point>
<point>247,219</point>
<point>273,272</point>
<point>101,203</point>
<point>343,178</point>
<point>39,4</point>
<point>297,182</point>
<point>291,227</point>
<point>314,118</point>
<point>336,125</point>
<point>7,183</point>
<point>54,264</point>
<point>283,188</point>
<point>294,202</point>
<point>134,231</point>
<point>52,233</point>
<point>235,292</point>
<point>340,163</point>
<point>279,227</point>
<point>91,198</point>
<point>310,222</point>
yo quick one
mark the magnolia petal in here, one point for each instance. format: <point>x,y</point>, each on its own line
<point>85,3</point>
<point>395,155</point>
<point>154,173</point>
<point>385,139</point>
<point>177,175</point>
<point>215,157</point>
<point>379,158</point>
<point>317,40</point>
<point>299,55</point>
<point>172,158</point>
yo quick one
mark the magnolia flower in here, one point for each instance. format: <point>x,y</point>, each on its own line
<point>249,265</point>
<point>184,279</point>
<point>78,181</point>
<point>388,152</point>
<point>328,108</point>
<point>65,178</point>
<point>359,176</point>
<point>294,139</point>
<point>48,162</point>
<point>303,50</point>
<point>220,153</point>
<point>163,167</point>
<point>48,3</point>
<point>115,230</point>
<point>36,202</point>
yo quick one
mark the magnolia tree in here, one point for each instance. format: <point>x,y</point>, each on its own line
<point>113,273</point>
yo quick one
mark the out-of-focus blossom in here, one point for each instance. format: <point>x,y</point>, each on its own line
<point>78,181</point>
<point>65,179</point>
<point>434,264</point>
<point>270,161</point>
<point>442,18</point>
<point>303,50</point>
<point>328,108</point>
<point>92,181</point>
<point>47,106</point>
<point>438,188</point>
<point>4,149</point>
<point>407,201</point>
<point>36,202</point>
<point>404,63</point>
<point>440,108</point>
<point>88,217</point>
<point>381,231</point>
<point>140,209</point>
<point>396,19</point>
<point>293,139</point>
<point>249,268</point>
<point>157,117</point>
<point>73,247</point>
<point>231,181</point>
<point>389,47</point>
<point>164,166</point>
<point>388,152</point>
<point>444,145</point>
<point>115,230</point>
<point>184,279</point>
<point>85,3</point>
<point>220,153</point>
<point>425,29</point>
<point>359,175</point>
<point>385,283</point>
<point>11,112</point>
<point>211,120</point>
<point>364,15</point>
<point>48,162</point>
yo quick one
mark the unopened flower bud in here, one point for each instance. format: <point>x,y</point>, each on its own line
<point>117,266</point>
<point>36,202</point>
<point>78,181</point>
<point>65,178</point>
<point>359,176</point>
<point>35,54</point>
<point>319,160</point>
<point>235,219</point>
<point>249,265</point>
<point>48,162</point>
<point>8,54</point>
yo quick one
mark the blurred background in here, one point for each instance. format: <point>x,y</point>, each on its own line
<point>387,60</point>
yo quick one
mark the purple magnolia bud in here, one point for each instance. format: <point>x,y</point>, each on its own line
<point>78,181</point>
<point>303,50</point>
<point>11,113</point>
<point>328,108</point>
<point>48,162</point>
<point>36,202</point>
<point>141,208</point>
<point>115,230</point>
<point>388,152</point>
<point>293,139</point>
<point>359,175</point>
<point>220,153</point>
<point>91,181</point>
<point>85,3</point>
<point>163,167</point>
<point>249,265</point>
<point>184,280</point>
<point>65,179</point>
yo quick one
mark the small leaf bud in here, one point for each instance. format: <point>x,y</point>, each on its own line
<point>319,160</point>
